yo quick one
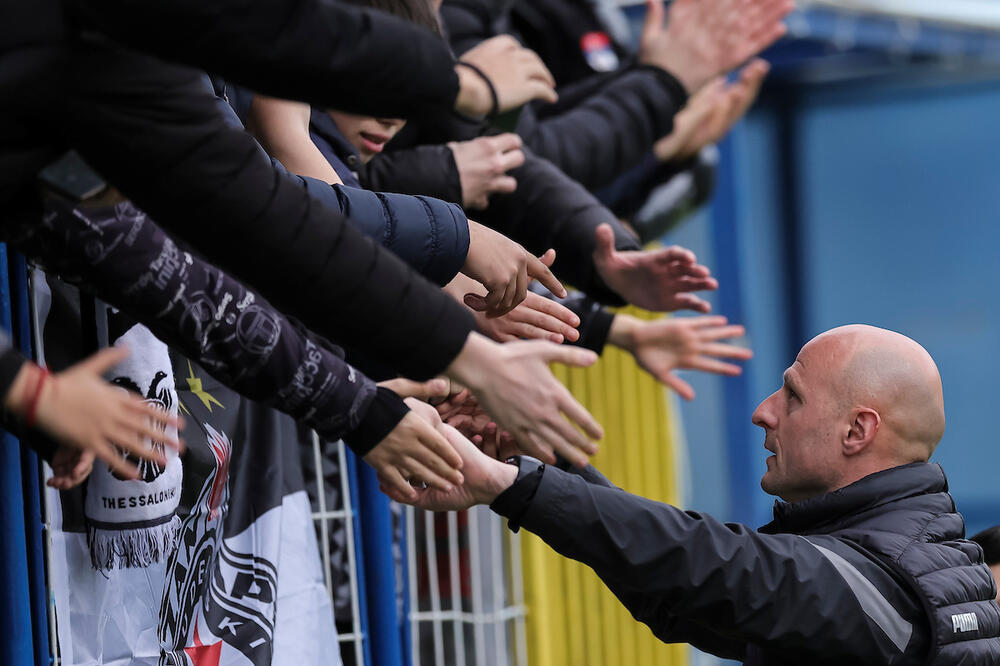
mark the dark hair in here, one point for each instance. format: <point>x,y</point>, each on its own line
<point>989,540</point>
<point>421,12</point>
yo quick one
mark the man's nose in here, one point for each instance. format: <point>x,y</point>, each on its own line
<point>763,416</point>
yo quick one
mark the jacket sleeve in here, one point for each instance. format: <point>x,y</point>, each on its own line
<point>612,130</point>
<point>171,152</point>
<point>595,321</point>
<point>690,577</point>
<point>430,235</point>
<point>550,210</point>
<point>318,51</point>
<point>121,255</point>
<point>425,169</point>
<point>655,197</point>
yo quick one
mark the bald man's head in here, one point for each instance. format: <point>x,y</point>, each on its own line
<point>858,399</point>
<point>894,375</point>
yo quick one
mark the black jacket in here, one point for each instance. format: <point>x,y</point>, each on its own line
<point>121,255</point>
<point>877,572</point>
<point>576,39</point>
<point>602,126</point>
<point>547,210</point>
<point>154,131</point>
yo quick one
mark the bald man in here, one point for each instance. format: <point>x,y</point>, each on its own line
<point>864,562</point>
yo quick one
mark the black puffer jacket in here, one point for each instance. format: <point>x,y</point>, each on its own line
<point>875,573</point>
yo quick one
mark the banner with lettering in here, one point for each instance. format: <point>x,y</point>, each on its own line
<point>242,585</point>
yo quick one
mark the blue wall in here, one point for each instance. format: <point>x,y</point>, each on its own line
<point>872,200</point>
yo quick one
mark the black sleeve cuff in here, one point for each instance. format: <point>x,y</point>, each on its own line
<point>385,412</point>
<point>669,81</point>
<point>513,503</point>
<point>594,330</point>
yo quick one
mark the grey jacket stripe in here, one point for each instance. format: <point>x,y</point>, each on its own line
<point>875,605</point>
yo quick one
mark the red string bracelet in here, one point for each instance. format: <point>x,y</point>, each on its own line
<point>29,418</point>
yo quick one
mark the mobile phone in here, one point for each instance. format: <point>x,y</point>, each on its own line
<point>71,177</point>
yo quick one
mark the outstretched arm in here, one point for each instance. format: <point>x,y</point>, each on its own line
<point>690,577</point>
<point>321,52</point>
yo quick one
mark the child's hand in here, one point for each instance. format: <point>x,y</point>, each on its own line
<point>506,268</point>
<point>663,345</point>
<point>83,411</point>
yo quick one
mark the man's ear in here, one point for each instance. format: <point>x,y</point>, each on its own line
<point>863,429</point>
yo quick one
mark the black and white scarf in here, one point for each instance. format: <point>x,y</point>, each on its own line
<point>133,523</point>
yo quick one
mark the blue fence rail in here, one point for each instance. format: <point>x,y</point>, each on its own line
<point>23,613</point>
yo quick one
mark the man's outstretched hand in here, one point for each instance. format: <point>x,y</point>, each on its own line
<point>485,478</point>
<point>660,280</point>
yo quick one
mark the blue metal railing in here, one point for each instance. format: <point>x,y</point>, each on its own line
<point>23,616</point>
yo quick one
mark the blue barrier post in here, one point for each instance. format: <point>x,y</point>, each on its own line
<point>30,474</point>
<point>380,571</point>
<point>15,610</point>
<point>726,244</point>
<point>359,553</point>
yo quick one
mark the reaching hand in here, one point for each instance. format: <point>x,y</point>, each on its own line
<point>518,75</point>
<point>705,38</point>
<point>70,466</point>
<point>513,383</point>
<point>689,343</point>
<point>535,318</point>
<point>711,113</point>
<point>506,269</point>
<point>483,164</point>
<point>415,450</point>
<point>485,478</point>
<point>659,280</point>
<point>463,412</point>
<point>81,410</point>
<point>434,389</point>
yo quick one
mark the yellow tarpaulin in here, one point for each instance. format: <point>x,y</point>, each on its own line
<point>573,620</point>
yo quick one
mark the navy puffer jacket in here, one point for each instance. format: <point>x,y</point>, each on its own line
<point>431,235</point>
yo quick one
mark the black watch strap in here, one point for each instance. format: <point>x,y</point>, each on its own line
<point>514,502</point>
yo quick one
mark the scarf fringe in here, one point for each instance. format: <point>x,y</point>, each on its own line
<point>133,548</point>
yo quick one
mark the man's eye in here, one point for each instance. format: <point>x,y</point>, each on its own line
<point>791,393</point>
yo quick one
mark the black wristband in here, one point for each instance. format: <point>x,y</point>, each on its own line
<point>495,111</point>
<point>513,503</point>
<point>385,412</point>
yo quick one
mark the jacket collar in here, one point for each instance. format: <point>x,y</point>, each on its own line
<point>322,124</point>
<point>874,490</point>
